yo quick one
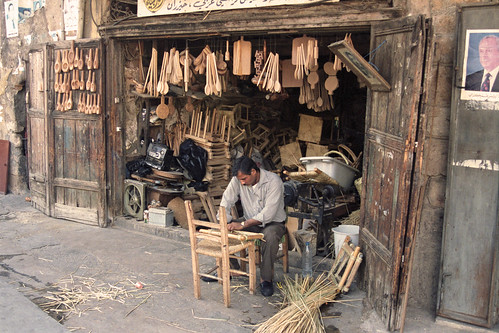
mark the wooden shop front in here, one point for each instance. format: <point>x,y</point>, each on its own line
<point>79,163</point>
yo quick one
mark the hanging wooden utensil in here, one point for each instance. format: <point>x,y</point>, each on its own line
<point>98,108</point>
<point>90,61</point>
<point>81,84</point>
<point>71,55</point>
<point>93,86</point>
<point>313,78</point>
<point>89,81</point>
<point>77,57</point>
<point>329,68</point>
<point>277,84</point>
<point>96,58</point>
<point>162,110</point>
<point>57,65</point>
<point>331,84</point>
<point>227,54</point>
<point>65,64</point>
<point>80,60</point>
<point>56,83</point>
<point>69,103</point>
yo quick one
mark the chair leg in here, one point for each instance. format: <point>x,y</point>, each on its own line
<point>226,277</point>
<point>242,263</point>
<point>285,262</point>
<point>195,274</point>
<point>219,269</point>
<point>252,268</point>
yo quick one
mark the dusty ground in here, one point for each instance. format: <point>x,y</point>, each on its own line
<point>40,256</point>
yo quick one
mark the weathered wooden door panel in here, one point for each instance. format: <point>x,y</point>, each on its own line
<point>36,129</point>
<point>469,278</point>
<point>77,157</point>
<point>391,126</point>
<point>77,152</point>
<point>67,148</point>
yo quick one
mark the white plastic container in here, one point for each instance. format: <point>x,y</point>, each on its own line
<point>161,216</point>
<point>339,171</point>
<point>341,232</point>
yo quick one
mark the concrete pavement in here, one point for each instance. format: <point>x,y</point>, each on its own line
<point>43,258</point>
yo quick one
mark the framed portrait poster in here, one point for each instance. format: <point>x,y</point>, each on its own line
<point>364,71</point>
<point>480,80</point>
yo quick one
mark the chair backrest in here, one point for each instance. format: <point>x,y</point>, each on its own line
<point>221,236</point>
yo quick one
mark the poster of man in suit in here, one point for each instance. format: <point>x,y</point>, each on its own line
<point>481,65</point>
<point>11,18</point>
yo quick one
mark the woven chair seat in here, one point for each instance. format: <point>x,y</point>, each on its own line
<point>212,248</point>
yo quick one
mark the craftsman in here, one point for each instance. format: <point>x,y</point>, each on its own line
<point>262,197</point>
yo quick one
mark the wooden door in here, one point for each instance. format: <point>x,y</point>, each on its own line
<point>469,278</point>
<point>391,126</point>
<point>37,129</point>
<point>70,145</point>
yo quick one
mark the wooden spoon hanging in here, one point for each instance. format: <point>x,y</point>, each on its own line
<point>81,83</point>
<point>96,58</point>
<point>98,110</point>
<point>65,65</point>
<point>71,55</point>
<point>93,86</point>
<point>90,61</point>
<point>89,81</point>
<point>69,103</point>
<point>57,65</point>
<point>80,60</point>
<point>77,57</point>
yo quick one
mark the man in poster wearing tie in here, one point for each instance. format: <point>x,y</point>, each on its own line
<point>486,80</point>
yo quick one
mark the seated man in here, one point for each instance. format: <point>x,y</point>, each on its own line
<point>262,197</point>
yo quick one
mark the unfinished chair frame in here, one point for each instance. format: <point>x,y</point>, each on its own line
<point>218,242</point>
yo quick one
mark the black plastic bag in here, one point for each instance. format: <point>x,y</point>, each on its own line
<point>193,159</point>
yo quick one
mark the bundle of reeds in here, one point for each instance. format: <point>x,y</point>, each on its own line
<point>303,298</point>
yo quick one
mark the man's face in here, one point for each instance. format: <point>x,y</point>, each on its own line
<point>248,180</point>
<point>489,53</point>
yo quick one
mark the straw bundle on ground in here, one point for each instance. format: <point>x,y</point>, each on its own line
<point>303,299</point>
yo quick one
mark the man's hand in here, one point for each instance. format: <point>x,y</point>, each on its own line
<point>234,226</point>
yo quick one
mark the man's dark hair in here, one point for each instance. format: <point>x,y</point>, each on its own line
<point>245,165</point>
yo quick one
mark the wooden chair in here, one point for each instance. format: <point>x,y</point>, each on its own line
<point>284,253</point>
<point>218,242</point>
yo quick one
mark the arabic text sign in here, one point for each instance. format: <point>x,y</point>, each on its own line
<point>168,7</point>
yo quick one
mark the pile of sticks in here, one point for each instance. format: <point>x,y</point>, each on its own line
<point>69,294</point>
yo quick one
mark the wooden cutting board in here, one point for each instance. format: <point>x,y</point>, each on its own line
<point>288,75</point>
<point>297,42</point>
<point>244,55</point>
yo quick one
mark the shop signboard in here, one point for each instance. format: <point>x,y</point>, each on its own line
<point>168,7</point>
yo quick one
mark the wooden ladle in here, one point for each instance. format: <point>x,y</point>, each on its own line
<point>81,83</point>
<point>97,110</point>
<point>90,61</point>
<point>96,58</point>
<point>65,65</point>
<point>89,81</point>
<point>75,63</point>
<point>57,65</point>
<point>71,55</point>
<point>80,60</point>
<point>93,86</point>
